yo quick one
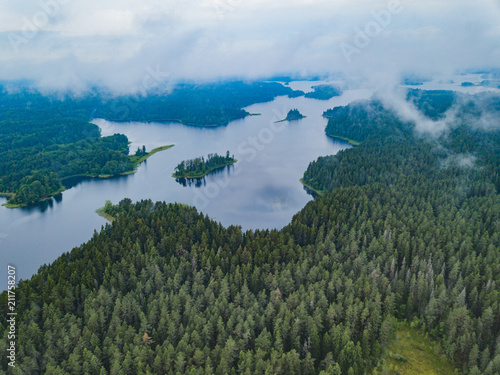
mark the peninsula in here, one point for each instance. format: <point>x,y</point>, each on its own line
<point>36,191</point>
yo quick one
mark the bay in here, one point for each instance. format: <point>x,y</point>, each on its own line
<point>261,191</point>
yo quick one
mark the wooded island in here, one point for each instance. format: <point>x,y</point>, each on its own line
<point>293,115</point>
<point>200,167</point>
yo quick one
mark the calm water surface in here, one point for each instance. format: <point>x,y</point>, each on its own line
<point>262,190</point>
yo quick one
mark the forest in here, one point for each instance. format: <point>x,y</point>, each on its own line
<point>166,290</point>
<point>39,148</point>
<point>200,167</point>
<point>444,193</point>
<point>46,138</point>
<point>199,105</point>
<point>407,229</point>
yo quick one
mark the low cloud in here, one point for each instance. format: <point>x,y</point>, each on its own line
<point>394,99</point>
<point>466,161</point>
<point>68,44</point>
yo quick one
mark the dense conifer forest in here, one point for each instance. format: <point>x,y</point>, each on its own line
<point>39,148</point>
<point>199,105</point>
<point>408,228</point>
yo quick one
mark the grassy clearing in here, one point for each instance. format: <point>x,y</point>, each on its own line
<point>8,196</point>
<point>136,160</point>
<point>319,192</point>
<point>100,212</point>
<point>413,353</point>
<point>350,141</point>
<point>12,205</point>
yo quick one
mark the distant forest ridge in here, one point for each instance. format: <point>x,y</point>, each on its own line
<point>208,104</point>
<point>44,139</point>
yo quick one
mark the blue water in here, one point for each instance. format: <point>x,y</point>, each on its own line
<point>262,190</point>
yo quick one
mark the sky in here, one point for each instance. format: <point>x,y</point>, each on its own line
<point>130,45</point>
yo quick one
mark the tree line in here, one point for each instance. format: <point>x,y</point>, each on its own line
<point>408,229</point>
<point>44,139</point>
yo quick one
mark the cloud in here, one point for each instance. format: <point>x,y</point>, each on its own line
<point>479,110</point>
<point>460,160</point>
<point>66,43</point>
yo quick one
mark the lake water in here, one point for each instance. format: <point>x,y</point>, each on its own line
<point>454,83</point>
<point>262,190</point>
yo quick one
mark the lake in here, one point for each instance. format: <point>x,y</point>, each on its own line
<point>261,191</point>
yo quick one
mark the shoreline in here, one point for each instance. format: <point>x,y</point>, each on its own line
<point>20,205</point>
<point>206,173</point>
<point>177,121</point>
<point>136,164</point>
<point>293,119</point>
<point>108,217</point>
<point>350,141</point>
<point>136,161</point>
<point>318,192</point>
<point>7,195</point>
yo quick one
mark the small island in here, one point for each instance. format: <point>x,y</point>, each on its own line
<point>200,167</point>
<point>293,115</point>
<point>324,92</point>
